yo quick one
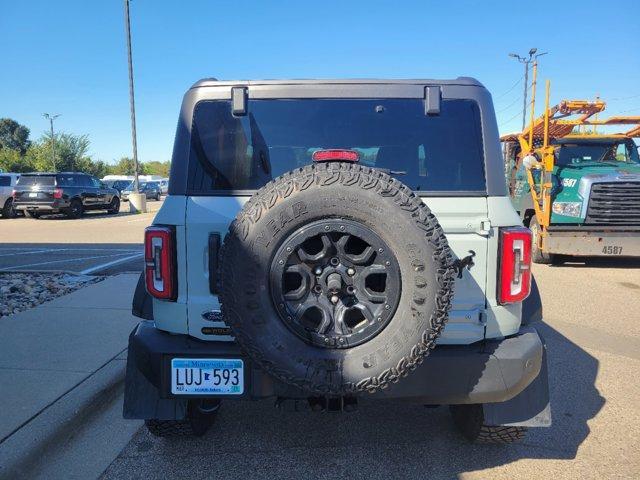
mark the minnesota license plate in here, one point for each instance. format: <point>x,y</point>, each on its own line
<point>207,376</point>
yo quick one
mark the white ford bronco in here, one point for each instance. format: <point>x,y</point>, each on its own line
<point>328,240</point>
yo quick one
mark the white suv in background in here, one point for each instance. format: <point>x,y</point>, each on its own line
<point>7,182</point>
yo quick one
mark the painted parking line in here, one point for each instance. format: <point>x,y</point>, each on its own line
<point>74,259</point>
<point>104,266</point>
<point>55,250</point>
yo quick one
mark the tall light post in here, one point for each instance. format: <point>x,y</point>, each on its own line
<point>132,106</point>
<point>527,61</point>
<point>51,118</point>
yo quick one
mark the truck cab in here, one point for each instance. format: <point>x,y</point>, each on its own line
<point>593,188</point>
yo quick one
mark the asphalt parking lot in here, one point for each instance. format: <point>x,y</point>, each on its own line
<point>592,330</point>
<point>97,243</point>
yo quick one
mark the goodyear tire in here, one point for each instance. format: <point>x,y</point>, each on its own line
<point>336,279</point>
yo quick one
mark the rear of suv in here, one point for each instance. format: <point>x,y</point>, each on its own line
<point>70,193</point>
<point>328,240</point>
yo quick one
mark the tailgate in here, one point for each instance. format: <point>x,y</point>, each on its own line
<point>461,218</point>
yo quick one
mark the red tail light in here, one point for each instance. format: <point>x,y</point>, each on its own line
<point>57,193</point>
<point>160,264</point>
<point>514,275</point>
<point>14,194</point>
<point>335,155</point>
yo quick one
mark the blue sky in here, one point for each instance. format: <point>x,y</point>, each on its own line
<point>69,56</point>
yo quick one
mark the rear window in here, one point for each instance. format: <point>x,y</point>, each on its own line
<point>32,180</point>
<point>442,153</point>
<point>5,181</point>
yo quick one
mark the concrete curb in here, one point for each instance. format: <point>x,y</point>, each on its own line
<point>26,449</point>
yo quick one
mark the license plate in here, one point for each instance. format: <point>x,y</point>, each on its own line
<point>217,376</point>
<point>33,194</point>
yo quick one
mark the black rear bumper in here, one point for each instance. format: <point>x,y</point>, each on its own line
<point>495,371</point>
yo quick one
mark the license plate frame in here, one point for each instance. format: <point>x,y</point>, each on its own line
<point>207,377</point>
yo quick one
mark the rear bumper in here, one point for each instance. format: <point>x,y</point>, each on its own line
<point>593,243</point>
<point>485,372</point>
<point>50,207</point>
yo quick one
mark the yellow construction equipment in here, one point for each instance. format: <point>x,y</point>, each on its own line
<point>569,119</point>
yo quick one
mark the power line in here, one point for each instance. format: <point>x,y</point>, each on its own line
<point>509,106</point>
<point>625,111</point>
<point>510,89</point>
<point>622,98</point>
<point>504,123</point>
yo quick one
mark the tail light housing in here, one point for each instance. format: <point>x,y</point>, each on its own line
<point>57,193</point>
<point>14,194</point>
<point>160,262</point>
<point>514,273</point>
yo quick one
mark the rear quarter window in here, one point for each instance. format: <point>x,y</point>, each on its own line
<point>5,181</point>
<point>442,153</point>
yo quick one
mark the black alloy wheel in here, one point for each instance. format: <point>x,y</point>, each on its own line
<point>335,283</point>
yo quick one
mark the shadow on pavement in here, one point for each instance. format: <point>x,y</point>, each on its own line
<point>598,262</point>
<point>381,440</point>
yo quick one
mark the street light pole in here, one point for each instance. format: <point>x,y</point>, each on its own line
<point>51,118</point>
<point>131,97</point>
<point>533,57</point>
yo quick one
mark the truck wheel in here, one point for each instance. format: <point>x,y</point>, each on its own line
<point>200,417</point>
<point>537,255</point>
<point>8,211</point>
<point>469,420</point>
<point>114,206</point>
<point>336,279</point>
<point>75,210</point>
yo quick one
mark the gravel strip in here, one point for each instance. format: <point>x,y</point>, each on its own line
<point>21,291</point>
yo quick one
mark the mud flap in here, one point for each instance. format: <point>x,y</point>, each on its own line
<point>530,408</point>
<point>142,399</point>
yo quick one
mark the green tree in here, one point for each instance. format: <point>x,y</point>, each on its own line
<point>70,150</point>
<point>157,168</point>
<point>13,135</point>
<point>125,166</point>
<point>13,161</point>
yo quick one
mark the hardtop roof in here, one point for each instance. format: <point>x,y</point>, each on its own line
<point>213,82</point>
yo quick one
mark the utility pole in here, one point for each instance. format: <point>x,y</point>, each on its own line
<point>533,58</point>
<point>51,118</point>
<point>127,23</point>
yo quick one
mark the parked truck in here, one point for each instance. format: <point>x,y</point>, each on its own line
<point>576,188</point>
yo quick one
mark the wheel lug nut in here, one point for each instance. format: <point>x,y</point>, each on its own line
<point>341,340</point>
<point>380,250</point>
<point>318,270</point>
<point>334,299</point>
<point>351,272</point>
<point>281,262</point>
<point>387,263</point>
<point>326,340</point>
<point>387,307</point>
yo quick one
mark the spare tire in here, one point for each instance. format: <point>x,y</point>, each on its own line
<point>336,279</point>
